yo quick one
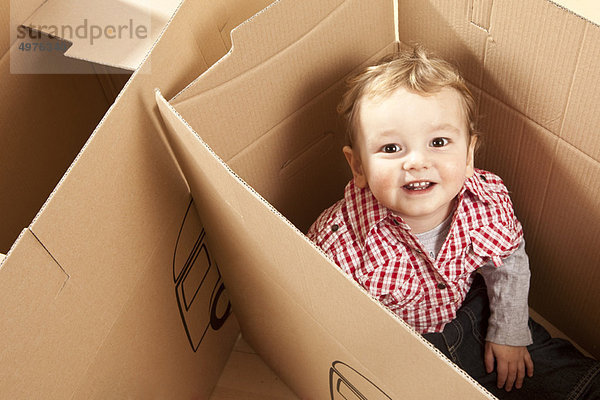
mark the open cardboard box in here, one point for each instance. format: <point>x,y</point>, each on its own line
<point>115,276</point>
<point>259,143</point>
<point>42,122</point>
<point>60,95</point>
<point>112,311</point>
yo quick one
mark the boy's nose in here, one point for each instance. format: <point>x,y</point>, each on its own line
<point>416,159</point>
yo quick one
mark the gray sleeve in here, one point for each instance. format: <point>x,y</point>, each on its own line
<point>508,288</point>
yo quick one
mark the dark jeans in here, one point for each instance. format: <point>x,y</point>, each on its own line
<point>560,370</point>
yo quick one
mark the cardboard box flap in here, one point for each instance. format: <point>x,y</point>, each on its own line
<point>581,119</point>
<point>572,207</point>
<point>30,282</point>
<point>279,33</point>
<point>123,180</point>
<point>178,320</point>
<point>294,305</point>
<point>262,49</point>
<point>12,15</point>
<point>118,33</point>
<point>142,288</point>
<point>435,24</point>
<point>82,350</point>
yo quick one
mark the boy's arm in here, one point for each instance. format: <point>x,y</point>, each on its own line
<point>508,289</point>
<point>508,330</point>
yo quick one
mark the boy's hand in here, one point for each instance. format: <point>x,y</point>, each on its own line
<point>511,364</point>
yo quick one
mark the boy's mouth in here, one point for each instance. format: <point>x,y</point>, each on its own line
<point>417,186</point>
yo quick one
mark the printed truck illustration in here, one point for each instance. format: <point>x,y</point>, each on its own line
<point>200,293</point>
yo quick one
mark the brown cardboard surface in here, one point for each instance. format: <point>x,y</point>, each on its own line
<point>437,23</point>
<point>30,281</point>
<point>580,125</point>
<point>552,330</point>
<point>555,107</point>
<point>570,207</point>
<point>40,138</point>
<point>140,349</point>
<point>247,377</point>
<point>532,51</point>
<point>143,312</point>
<point>530,146</point>
<point>42,128</point>
<point>13,14</point>
<point>310,48</point>
<point>148,353</point>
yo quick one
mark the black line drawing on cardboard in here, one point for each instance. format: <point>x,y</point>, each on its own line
<point>200,292</point>
<point>346,383</point>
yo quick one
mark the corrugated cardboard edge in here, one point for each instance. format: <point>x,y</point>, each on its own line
<point>227,55</point>
<point>587,10</point>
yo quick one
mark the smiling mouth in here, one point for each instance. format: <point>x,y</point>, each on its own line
<point>417,186</point>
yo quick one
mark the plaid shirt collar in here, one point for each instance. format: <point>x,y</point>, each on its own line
<point>365,212</point>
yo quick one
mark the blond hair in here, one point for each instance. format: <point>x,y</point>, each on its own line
<point>418,71</point>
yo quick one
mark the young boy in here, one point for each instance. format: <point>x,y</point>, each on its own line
<point>418,220</point>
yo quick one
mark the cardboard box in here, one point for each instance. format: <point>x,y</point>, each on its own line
<point>259,143</point>
<point>110,292</point>
<point>107,273</point>
<point>43,124</point>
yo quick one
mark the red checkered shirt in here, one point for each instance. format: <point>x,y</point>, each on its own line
<point>379,251</point>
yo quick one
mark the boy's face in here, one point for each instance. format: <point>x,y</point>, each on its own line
<point>413,152</point>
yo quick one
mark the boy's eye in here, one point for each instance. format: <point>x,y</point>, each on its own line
<point>390,148</point>
<point>439,142</point>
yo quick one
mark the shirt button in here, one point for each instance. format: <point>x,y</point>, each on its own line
<point>483,178</point>
<point>334,227</point>
<point>441,285</point>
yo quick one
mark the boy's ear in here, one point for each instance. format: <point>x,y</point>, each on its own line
<point>353,159</point>
<point>471,157</point>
